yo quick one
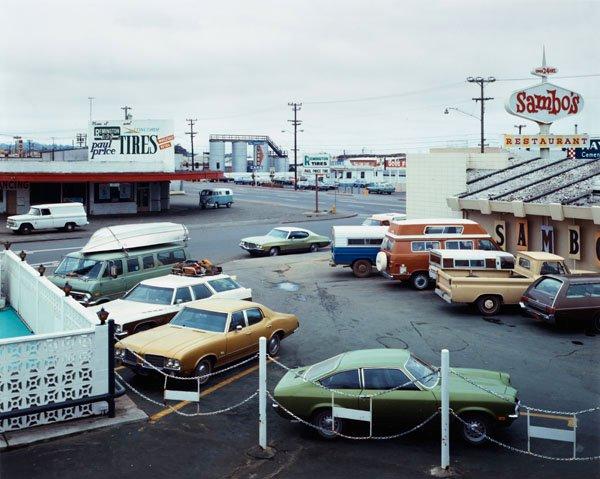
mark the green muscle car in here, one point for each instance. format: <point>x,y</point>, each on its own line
<point>284,240</point>
<point>363,373</point>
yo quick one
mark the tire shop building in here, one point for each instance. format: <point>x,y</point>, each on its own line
<point>127,170</point>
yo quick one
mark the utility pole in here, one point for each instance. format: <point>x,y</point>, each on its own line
<point>81,139</point>
<point>520,127</point>
<point>53,147</point>
<point>126,110</point>
<point>296,107</point>
<point>91,100</point>
<point>192,134</point>
<point>575,128</point>
<point>481,82</point>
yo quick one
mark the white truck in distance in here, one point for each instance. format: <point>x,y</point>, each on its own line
<point>66,216</point>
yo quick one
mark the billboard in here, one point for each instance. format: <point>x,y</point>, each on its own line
<point>144,141</point>
<point>591,152</point>
<point>545,141</point>
<point>317,164</point>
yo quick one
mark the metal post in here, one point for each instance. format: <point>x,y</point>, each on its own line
<point>445,410</point>
<point>111,367</point>
<point>262,392</point>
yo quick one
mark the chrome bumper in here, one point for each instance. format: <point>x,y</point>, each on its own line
<point>445,296</point>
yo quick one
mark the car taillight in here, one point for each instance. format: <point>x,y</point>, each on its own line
<point>524,299</point>
<point>549,309</point>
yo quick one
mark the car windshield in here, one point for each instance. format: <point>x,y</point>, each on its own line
<point>324,367</point>
<point>278,233</point>
<point>223,284</point>
<point>72,266</point>
<point>143,293</point>
<point>200,319</point>
<point>422,372</point>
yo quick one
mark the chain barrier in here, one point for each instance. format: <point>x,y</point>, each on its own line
<point>359,438</point>
<point>523,451</point>
<point>342,393</point>
<point>191,378</point>
<point>162,404</point>
<point>525,406</point>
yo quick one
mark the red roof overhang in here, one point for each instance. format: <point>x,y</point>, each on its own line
<point>113,177</point>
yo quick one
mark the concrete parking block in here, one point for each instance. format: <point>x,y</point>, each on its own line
<point>126,412</point>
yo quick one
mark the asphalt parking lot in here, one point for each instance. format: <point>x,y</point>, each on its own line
<point>553,369</point>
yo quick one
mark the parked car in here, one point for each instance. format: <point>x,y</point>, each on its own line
<point>490,289</point>
<point>206,335</point>
<point>468,259</point>
<point>381,188</point>
<point>116,258</point>
<point>155,301</point>
<point>305,185</point>
<point>216,197</point>
<point>65,216</point>
<point>372,371</point>
<point>360,183</point>
<point>326,184</point>
<point>383,219</point>
<point>405,250</point>
<point>559,299</point>
<point>284,240</point>
<point>356,247</point>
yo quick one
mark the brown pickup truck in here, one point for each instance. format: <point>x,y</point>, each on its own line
<point>490,289</point>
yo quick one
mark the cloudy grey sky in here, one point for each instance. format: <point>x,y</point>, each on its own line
<point>372,74</point>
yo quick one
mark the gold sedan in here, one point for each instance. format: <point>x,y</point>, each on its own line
<point>206,335</point>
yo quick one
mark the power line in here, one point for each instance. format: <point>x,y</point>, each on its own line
<point>296,107</point>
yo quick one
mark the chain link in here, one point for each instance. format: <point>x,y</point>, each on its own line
<point>523,451</point>
<point>343,393</point>
<point>158,403</point>
<point>191,378</point>
<point>531,408</point>
<point>358,438</point>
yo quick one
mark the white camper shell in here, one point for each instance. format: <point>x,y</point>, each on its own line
<point>468,259</point>
<point>66,216</point>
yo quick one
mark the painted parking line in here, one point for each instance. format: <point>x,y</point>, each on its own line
<point>567,419</point>
<point>165,412</point>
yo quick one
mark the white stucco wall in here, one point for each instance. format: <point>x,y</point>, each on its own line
<point>430,179</point>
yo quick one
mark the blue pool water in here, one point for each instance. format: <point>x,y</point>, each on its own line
<point>11,325</point>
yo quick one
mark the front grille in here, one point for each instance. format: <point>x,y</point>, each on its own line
<point>157,361</point>
<point>249,245</point>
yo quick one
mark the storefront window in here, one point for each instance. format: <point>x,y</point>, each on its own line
<point>113,192</point>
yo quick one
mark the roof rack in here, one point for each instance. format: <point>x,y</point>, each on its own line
<point>195,268</point>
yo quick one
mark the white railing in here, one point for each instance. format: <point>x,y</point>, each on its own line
<point>67,357</point>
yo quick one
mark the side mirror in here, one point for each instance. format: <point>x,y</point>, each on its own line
<point>238,327</point>
<point>179,301</point>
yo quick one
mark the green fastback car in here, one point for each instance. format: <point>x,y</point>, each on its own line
<point>284,240</point>
<point>370,371</point>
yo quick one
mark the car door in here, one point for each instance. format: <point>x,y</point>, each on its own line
<point>348,383</point>
<point>409,404</point>
<point>239,337</point>
<point>46,219</point>
<point>113,286</point>
<point>258,325</point>
<point>134,273</point>
<point>299,240</point>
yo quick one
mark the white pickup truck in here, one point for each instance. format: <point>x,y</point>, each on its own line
<point>490,289</point>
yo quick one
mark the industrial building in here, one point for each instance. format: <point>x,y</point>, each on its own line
<point>267,155</point>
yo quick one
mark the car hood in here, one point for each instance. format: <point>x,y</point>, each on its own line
<point>169,341</point>
<point>23,217</point>
<point>261,239</point>
<point>123,311</point>
<point>78,283</point>
<point>495,381</point>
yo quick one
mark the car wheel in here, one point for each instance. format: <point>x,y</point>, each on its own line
<point>25,229</point>
<point>323,421</point>
<point>420,281</point>
<point>203,368</point>
<point>596,324</point>
<point>362,268</point>
<point>475,430</point>
<point>489,305</point>
<point>228,204</point>
<point>70,227</point>
<point>314,248</point>
<point>274,345</point>
<point>274,251</point>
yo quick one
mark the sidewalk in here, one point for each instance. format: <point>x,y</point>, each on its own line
<point>184,209</point>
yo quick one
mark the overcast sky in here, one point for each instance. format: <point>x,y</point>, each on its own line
<point>234,65</point>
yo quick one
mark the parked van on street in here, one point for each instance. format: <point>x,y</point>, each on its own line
<point>117,258</point>
<point>405,250</point>
<point>216,197</point>
<point>356,247</point>
<point>468,259</point>
<point>65,216</point>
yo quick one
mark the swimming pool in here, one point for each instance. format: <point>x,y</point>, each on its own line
<point>11,325</point>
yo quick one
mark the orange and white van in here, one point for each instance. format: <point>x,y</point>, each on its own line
<point>405,249</point>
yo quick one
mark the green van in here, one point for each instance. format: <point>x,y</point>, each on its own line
<point>103,276</point>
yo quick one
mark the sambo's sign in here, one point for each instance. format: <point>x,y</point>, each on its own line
<point>544,103</point>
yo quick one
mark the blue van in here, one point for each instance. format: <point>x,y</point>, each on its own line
<point>216,197</point>
<point>356,247</point>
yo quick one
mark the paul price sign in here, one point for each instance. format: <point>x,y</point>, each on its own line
<point>317,165</point>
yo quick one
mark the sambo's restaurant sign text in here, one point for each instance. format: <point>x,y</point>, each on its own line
<point>544,103</point>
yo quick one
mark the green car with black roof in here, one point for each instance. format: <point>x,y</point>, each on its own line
<point>306,392</point>
<point>284,239</point>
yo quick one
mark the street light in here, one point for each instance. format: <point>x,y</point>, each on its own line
<point>481,82</point>
<point>448,108</point>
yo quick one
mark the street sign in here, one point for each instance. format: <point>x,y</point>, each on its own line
<point>317,164</point>
<point>592,151</point>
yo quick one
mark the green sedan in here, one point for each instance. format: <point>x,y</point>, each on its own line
<point>364,373</point>
<point>284,240</point>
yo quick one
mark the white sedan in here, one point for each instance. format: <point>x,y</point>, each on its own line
<point>155,301</point>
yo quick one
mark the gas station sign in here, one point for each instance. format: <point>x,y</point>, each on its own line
<point>317,164</point>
